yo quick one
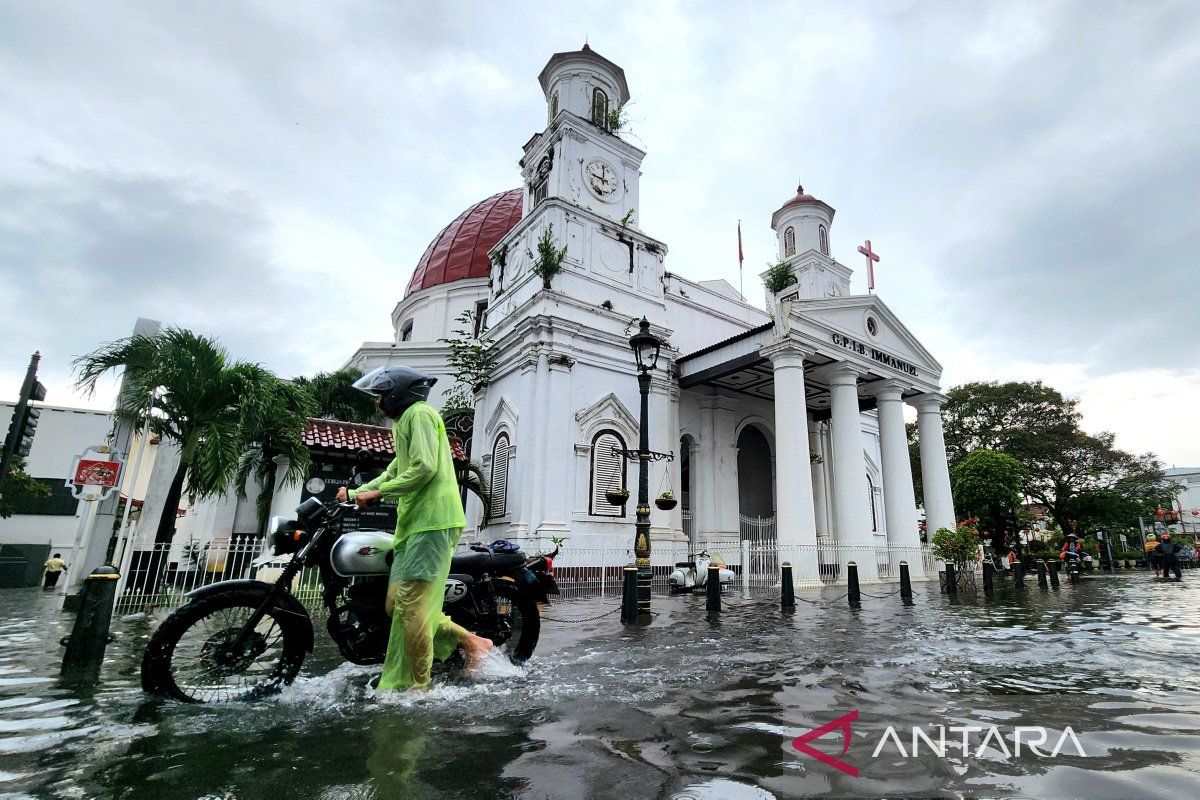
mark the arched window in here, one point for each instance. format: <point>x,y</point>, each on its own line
<point>499,479</point>
<point>406,331</point>
<point>789,241</point>
<point>553,106</point>
<point>824,239</point>
<point>600,108</point>
<point>871,500</point>
<point>608,473</point>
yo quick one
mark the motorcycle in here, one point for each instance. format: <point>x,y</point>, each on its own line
<point>1073,563</point>
<point>244,639</point>
<point>692,575</point>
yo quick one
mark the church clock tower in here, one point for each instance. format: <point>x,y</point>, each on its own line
<point>581,183</point>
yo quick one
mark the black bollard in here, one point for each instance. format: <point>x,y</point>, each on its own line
<point>1018,575</point>
<point>629,600</point>
<point>1053,574</point>
<point>951,580</point>
<point>1042,574</point>
<point>905,583</point>
<point>988,576</point>
<point>852,593</point>
<point>787,593</point>
<point>89,635</point>
<point>712,586</point>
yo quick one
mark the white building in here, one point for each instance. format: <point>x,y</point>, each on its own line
<point>29,538</point>
<point>794,414</point>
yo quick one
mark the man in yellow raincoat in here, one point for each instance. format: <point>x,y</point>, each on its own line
<point>429,521</point>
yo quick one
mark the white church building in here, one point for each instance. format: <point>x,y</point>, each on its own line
<point>787,422</point>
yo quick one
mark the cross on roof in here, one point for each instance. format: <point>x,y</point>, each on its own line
<point>872,257</point>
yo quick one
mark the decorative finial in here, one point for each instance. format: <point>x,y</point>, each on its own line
<point>799,188</point>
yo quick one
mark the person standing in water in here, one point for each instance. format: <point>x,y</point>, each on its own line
<point>54,567</point>
<point>1152,558</point>
<point>1168,551</point>
<point>429,522</point>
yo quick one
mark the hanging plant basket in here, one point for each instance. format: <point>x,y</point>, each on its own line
<point>666,503</point>
<point>617,496</point>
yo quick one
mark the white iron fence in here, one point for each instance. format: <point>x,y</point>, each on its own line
<point>159,576</point>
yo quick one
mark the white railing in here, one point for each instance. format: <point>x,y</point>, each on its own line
<point>159,576</point>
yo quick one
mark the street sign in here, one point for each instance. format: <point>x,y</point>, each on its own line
<point>94,478</point>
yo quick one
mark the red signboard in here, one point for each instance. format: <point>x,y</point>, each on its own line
<point>89,472</point>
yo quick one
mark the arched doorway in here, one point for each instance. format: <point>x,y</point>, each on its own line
<point>756,501</point>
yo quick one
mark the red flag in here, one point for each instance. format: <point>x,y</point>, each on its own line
<point>741,258</point>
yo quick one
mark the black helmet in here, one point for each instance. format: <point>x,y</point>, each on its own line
<point>396,387</point>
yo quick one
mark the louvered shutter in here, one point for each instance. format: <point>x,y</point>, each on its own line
<point>608,472</point>
<point>500,476</point>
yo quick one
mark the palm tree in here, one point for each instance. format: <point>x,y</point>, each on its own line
<point>211,407</point>
<point>336,398</point>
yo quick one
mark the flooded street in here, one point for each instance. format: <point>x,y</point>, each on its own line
<point>683,708</point>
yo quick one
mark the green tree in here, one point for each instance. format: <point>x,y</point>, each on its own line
<point>471,357</point>
<point>209,406</point>
<point>20,489</point>
<point>334,397</point>
<point>987,484</point>
<point>1018,418</point>
<point>290,405</point>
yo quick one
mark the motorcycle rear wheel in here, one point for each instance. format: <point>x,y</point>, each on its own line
<point>189,657</point>
<point>521,613</point>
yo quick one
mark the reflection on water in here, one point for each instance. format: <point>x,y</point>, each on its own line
<point>687,707</point>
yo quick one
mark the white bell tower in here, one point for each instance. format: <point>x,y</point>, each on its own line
<point>581,186</point>
<point>802,228</point>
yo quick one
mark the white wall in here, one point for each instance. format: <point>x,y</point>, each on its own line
<point>62,433</point>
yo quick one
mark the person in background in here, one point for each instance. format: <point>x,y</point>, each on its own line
<point>1169,552</point>
<point>54,567</point>
<point>1152,558</point>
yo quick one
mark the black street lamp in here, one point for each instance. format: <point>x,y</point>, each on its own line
<point>646,347</point>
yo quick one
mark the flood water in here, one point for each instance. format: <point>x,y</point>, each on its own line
<point>686,707</point>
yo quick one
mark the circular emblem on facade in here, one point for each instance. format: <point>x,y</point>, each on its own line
<point>872,327</point>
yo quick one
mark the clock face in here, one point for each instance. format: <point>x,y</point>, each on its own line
<point>601,179</point>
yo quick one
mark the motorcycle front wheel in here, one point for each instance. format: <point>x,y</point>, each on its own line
<point>191,657</point>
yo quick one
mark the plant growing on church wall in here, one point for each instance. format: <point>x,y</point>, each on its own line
<point>548,261</point>
<point>616,120</point>
<point>626,220</point>
<point>779,277</point>
<point>471,358</point>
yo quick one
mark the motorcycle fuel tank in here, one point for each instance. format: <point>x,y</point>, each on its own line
<point>362,553</point>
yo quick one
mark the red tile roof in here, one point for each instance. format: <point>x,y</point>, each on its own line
<point>337,435</point>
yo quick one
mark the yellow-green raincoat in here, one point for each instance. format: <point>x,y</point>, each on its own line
<point>429,521</point>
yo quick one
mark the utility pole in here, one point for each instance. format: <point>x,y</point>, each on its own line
<point>96,540</point>
<point>24,420</point>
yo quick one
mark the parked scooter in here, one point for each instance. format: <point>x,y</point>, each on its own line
<point>692,575</point>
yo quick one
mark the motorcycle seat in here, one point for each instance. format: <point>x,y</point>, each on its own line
<point>476,563</point>
<point>688,564</point>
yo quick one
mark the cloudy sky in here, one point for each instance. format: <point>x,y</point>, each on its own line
<point>271,172</point>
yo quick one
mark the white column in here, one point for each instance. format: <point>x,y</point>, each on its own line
<point>816,445</point>
<point>899,502</point>
<point>796,522</point>
<point>935,474</point>
<point>557,453</point>
<point>850,470</point>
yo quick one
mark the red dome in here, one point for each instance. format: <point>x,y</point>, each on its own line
<point>460,250</point>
